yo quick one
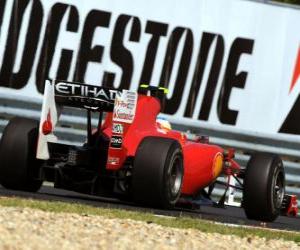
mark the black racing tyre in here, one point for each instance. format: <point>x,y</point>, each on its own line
<point>158,172</point>
<point>18,164</point>
<point>264,187</point>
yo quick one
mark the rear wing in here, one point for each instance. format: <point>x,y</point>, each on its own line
<point>93,98</point>
<point>84,96</point>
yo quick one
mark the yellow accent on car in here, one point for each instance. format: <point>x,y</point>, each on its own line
<point>144,86</point>
<point>166,91</point>
<point>217,165</point>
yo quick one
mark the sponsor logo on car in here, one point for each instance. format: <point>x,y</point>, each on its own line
<point>117,128</point>
<point>125,106</point>
<point>113,160</point>
<point>116,141</point>
<point>86,91</point>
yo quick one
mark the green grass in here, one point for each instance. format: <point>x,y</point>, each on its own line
<point>179,222</point>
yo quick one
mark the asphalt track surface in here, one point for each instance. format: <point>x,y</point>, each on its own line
<point>228,215</point>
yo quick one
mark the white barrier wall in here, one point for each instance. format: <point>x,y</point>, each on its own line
<point>226,62</point>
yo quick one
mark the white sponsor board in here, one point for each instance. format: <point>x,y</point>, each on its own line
<point>225,62</point>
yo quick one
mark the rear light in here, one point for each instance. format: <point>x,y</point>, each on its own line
<point>47,125</point>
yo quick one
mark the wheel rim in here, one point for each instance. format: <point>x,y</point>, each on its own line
<point>278,190</point>
<point>176,175</point>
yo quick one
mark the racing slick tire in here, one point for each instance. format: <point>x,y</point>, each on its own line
<point>264,187</point>
<point>158,172</point>
<point>19,167</point>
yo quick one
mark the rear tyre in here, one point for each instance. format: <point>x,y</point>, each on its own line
<point>264,187</point>
<point>19,166</point>
<point>158,172</point>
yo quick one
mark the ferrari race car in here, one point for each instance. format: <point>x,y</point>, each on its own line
<point>133,155</point>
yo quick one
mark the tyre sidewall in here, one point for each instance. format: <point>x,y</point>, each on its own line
<point>17,154</point>
<point>174,153</point>
<point>151,172</point>
<point>259,183</point>
<point>277,169</point>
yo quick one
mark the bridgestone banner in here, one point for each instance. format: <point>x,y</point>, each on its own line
<point>226,63</point>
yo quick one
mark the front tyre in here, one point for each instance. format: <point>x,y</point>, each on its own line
<point>264,187</point>
<point>158,172</point>
<point>18,164</point>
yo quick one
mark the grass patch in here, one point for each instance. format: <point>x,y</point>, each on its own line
<point>179,222</point>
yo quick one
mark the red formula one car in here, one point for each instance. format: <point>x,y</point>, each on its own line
<point>133,155</point>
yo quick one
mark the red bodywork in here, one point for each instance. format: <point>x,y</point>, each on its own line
<point>198,157</point>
